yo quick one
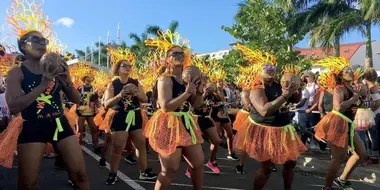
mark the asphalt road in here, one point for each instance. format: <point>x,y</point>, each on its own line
<point>51,178</point>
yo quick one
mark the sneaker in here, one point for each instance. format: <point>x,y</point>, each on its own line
<point>98,150</point>
<point>130,159</point>
<point>148,174</point>
<point>342,183</point>
<point>187,173</point>
<point>112,179</point>
<point>70,183</point>
<point>240,169</point>
<point>274,169</point>
<point>102,162</point>
<point>327,188</point>
<point>233,157</point>
<point>212,167</point>
<point>49,155</point>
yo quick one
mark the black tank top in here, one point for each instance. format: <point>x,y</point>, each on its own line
<point>48,105</point>
<point>276,119</point>
<point>349,112</point>
<point>205,109</point>
<point>129,102</point>
<point>327,101</point>
<point>179,89</point>
<point>88,97</point>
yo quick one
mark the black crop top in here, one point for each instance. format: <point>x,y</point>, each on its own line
<point>48,105</point>
<point>129,102</point>
<point>277,119</point>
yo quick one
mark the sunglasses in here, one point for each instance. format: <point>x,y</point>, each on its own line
<point>37,40</point>
<point>127,66</point>
<point>178,54</point>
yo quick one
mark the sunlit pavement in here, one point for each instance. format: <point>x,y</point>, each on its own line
<point>308,175</point>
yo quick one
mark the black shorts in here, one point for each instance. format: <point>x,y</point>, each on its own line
<point>204,123</point>
<point>43,131</point>
<point>118,122</point>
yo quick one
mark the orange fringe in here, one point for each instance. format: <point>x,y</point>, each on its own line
<point>166,132</point>
<point>264,143</point>
<point>49,148</point>
<point>241,116</point>
<point>333,129</point>
<point>72,120</point>
<point>98,119</point>
<point>8,141</point>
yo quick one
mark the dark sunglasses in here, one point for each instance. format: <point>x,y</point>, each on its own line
<point>178,54</point>
<point>37,40</point>
<point>126,66</point>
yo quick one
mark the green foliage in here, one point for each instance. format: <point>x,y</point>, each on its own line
<point>261,25</point>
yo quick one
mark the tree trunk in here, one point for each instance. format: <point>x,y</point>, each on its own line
<point>337,46</point>
<point>368,47</point>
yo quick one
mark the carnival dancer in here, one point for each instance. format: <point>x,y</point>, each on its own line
<point>219,112</point>
<point>337,127</point>
<point>86,110</point>
<point>172,130</point>
<point>205,123</point>
<point>33,90</point>
<point>269,137</point>
<point>123,97</point>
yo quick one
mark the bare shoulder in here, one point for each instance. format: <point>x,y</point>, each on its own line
<point>164,80</point>
<point>15,73</point>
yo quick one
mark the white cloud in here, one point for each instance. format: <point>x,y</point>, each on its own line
<point>65,21</point>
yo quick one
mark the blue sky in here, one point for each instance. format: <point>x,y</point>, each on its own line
<point>200,20</point>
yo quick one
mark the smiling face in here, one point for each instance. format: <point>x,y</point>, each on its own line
<point>33,45</point>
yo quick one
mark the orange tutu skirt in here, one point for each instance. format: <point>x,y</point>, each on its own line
<point>107,121</point>
<point>99,118</point>
<point>333,129</point>
<point>264,143</point>
<point>167,132</point>
<point>8,141</point>
<point>241,116</point>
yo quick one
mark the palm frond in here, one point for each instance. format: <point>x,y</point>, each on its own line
<point>135,37</point>
<point>152,29</point>
<point>173,26</point>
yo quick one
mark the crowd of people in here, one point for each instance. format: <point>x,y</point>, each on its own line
<point>44,109</point>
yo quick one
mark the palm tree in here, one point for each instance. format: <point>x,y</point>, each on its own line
<point>153,29</point>
<point>347,17</point>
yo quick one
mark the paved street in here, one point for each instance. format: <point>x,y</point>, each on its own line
<point>308,175</point>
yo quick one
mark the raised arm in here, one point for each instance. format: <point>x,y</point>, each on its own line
<point>261,104</point>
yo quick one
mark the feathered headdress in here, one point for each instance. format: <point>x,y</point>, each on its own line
<point>25,16</point>
<point>7,59</point>
<point>101,80</point>
<point>358,73</point>
<point>165,41</point>
<point>333,65</point>
<point>55,45</point>
<point>250,75</point>
<point>121,54</point>
<point>291,68</point>
<point>80,70</point>
<point>154,64</point>
<point>216,72</point>
<point>200,63</point>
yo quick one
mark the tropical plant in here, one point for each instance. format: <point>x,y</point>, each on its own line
<point>260,24</point>
<point>337,17</point>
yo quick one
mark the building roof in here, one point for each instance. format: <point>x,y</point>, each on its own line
<point>346,50</point>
